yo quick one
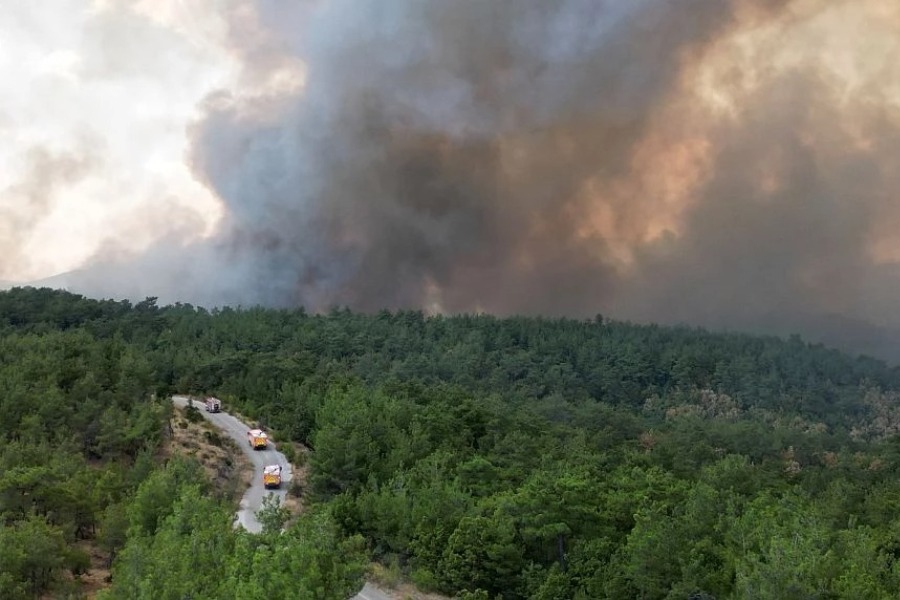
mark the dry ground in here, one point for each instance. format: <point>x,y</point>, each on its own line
<point>225,464</point>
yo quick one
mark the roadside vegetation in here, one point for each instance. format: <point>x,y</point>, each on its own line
<point>485,458</point>
<point>223,462</point>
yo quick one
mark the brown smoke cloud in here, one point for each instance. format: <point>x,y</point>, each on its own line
<point>719,162</point>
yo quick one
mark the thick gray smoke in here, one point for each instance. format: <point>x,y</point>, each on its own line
<point>441,148</point>
<point>565,157</point>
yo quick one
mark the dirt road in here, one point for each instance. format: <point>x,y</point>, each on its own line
<point>370,592</point>
<point>253,497</point>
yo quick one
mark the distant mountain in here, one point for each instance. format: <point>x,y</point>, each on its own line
<point>6,285</point>
<point>116,282</point>
<point>58,281</point>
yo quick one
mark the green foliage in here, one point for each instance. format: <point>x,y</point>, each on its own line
<point>520,458</point>
<point>192,414</point>
<point>482,553</point>
<point>33,554</point>
<point>272,515</point>
<point>195,553</point>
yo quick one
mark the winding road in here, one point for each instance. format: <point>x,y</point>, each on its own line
<point>253,497</point>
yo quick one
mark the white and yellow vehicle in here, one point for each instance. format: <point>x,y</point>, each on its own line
<point>258,439</point>
<point>272,476</point>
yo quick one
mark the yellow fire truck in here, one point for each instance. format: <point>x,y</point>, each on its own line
<point>258,439</point>
<point>272,476</point>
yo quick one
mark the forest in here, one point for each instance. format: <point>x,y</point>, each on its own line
<point>483,458</point>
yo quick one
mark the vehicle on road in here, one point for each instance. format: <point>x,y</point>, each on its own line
<point>272,476</point>
<point>258,439</point>
<point>213,405</point>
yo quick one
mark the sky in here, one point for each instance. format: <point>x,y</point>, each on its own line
<point>94,108</point>
<point>726,163</point>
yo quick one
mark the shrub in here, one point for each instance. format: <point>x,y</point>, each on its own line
<point>213,437</point>
<point>192,414</point>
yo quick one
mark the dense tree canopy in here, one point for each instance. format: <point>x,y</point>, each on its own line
<point>519,458</point>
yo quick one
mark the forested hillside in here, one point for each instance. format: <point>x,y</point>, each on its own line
<point>517,458</point>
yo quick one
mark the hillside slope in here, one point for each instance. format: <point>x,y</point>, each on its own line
<point>522,458</point>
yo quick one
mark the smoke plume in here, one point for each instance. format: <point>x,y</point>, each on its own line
<point>719,162</point>
<point>24,201</point>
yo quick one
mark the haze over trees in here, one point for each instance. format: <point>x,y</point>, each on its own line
<point>521,458</point>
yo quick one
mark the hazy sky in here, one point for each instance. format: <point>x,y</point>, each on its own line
<point>94,104</point>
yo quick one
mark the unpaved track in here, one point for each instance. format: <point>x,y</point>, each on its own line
<point>253,497</point>
<point>370,592</point>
